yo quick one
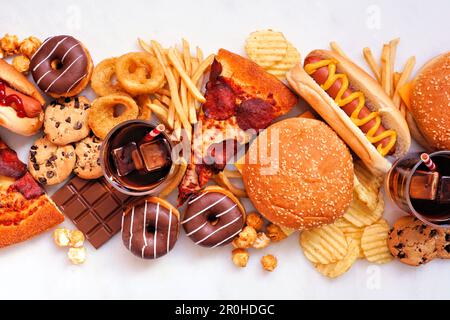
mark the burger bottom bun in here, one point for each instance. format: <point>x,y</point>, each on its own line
<point>22,126</point>
<point>299,174</point>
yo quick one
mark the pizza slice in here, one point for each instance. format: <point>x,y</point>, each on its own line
<point>25,209</point>
<point>241,99</point>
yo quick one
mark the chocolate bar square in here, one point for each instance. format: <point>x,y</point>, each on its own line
<point>94,207</point>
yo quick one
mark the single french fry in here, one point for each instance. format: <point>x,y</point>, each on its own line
<point>336,48</point>
<point>201,69</point>
<point>160,112</point>
<point>199,54</point>
<point>177,130</point>
<point>186,79</point>
<point>164,99</point>
<point>397,76</point>
<point>192,103</point>
<point>392,55</point>
<point>386,69</point>
<point>404,78</point>
<point>173,89</point>
<point>368,56</point>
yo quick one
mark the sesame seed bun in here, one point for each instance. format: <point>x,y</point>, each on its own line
<point>430,101</point>
<point>309,183</point>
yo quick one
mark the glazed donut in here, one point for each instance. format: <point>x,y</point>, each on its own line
<point>150,228</point>
<point>213,217</point>
<point>62,66</point>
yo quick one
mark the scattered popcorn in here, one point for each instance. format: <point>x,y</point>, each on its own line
<point>9,44</point>
<point>262,241</point>
<point>76,238</point>
<point>269,262</point>
<point>240,257</point>
<point>61,237</point>
<point>21,63</point>
<point>77,255</point>
<point>246,238</point>
<point>29,46</point>
<point>275,233</point>
<point>255,220</point>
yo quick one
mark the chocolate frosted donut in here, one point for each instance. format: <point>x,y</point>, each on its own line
<point>213,217</point>
<point>150,228</point>
<point>61,66</point>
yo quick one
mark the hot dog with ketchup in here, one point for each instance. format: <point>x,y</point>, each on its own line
<point>21,104</point>
<point>354,105</point>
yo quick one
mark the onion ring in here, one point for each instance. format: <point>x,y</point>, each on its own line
<point>101,81</point>
<point>129,69</point>
<point>102,116</point>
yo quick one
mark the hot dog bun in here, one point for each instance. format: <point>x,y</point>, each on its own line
<point>376,99</point>
<point>430,101</point>
<point>8,116</point>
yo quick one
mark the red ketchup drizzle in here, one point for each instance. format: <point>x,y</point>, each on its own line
<point>11,100</point>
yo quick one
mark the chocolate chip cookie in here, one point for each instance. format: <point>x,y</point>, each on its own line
<point>413,242</point>
<point>66,120</point>
<point>88,158</point>
<point>443,244</point>
<point>50,164</point>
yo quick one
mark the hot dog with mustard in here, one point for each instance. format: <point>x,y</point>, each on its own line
<point>354,105</point>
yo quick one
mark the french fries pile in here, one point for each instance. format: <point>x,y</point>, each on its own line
<point>390,80</point>
<point>360,233</point>
<point>177,103</point>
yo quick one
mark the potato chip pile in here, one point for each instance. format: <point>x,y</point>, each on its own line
<point>360,233</point>
<point>272,51</point>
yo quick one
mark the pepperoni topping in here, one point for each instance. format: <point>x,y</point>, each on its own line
<point>216,71</point>
<point>10,165</point>
<point>220,101</point>
<point>28,187</point>
<point>255,114</point>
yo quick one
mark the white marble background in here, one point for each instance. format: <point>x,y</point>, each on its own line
<point>38,269</point>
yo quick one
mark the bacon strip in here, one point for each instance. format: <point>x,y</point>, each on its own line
<point>10,165</point>
<point>28,187</point>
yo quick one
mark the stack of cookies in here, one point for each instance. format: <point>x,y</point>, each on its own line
<point>68,144</point>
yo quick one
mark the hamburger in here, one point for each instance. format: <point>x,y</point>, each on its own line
<point>299,174</point>
<point>428,99</point>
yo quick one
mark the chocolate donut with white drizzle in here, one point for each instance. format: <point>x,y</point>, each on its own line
<point>62,66</point>
<point>150,228</point>
<point>213,217</point>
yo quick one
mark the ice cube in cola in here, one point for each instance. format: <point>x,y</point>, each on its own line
<point>155,154</point>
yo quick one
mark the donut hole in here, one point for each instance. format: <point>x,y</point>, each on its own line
<point>118,110</point>
<point>212,219</point>
<point>150,229</point>
<point>56,64</point>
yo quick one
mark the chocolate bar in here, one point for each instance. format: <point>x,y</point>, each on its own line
<point>94,207</point>
<point>424,185</point>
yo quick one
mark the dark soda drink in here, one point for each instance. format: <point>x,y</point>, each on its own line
<point>422,192</point>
